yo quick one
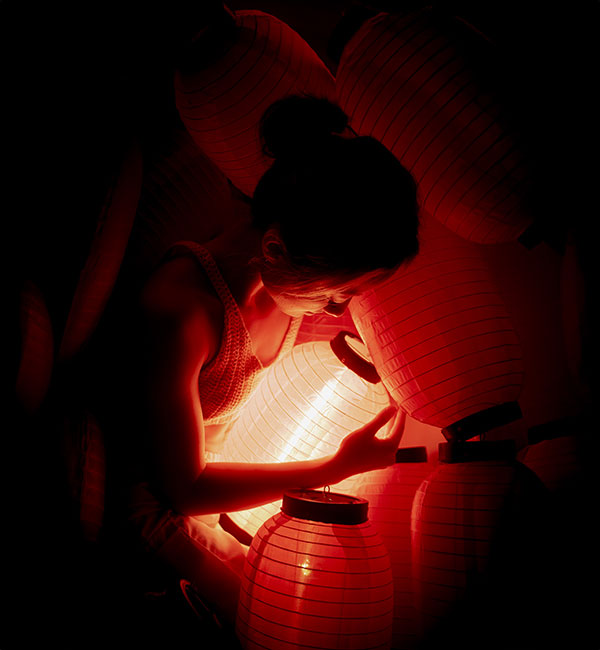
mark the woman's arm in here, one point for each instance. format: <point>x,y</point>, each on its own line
<point>183,333</point>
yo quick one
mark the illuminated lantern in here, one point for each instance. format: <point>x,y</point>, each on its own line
<point>222,102</point>
<point>405,80</point>
<point>305,405</point>
<point>390,493</point>
<point>442,340</point>
<point>107,250</point>
<point>324,327</point>
<point>474,527</point>
<point>184,196</point>
<point>317,575</point>
<point>36,359</point>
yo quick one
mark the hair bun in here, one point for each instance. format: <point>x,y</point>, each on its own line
<point>297,123</point>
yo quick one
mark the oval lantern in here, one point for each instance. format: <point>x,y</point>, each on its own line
<point>36,359</point>
<point>103,262</point>
<point>184,197</point>
<point>390,494</point>
<point>305,405</point>
<point>405,80</point>
<point>473,525</point>
<point>222,102</point>
<point>442,340</point>
<point>317,575</point>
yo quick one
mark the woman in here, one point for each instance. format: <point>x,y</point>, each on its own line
<point>333,216</point>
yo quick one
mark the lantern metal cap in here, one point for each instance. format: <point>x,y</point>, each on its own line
<point>411,455</point>
<point>325,507</point>
<point>482,450</point>
<point>352,357</point>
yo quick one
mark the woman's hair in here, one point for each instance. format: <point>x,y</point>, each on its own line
<point>343,205</point>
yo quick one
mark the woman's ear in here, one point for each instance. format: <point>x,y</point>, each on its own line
<point>273,248</point>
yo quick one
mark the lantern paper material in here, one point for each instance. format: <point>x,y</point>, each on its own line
<point>99,274</point>
<point>222,104</point>
<point>37,349</point>
<point>405,80</point>
<point>390,494</point>
<point>439,333</point>
<point>308,584</point>
<point>305,405</point>
<point>468,519</point>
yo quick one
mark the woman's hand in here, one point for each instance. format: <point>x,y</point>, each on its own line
<point>361,451</point>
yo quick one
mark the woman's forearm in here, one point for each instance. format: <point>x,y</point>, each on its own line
<point>227,487</point>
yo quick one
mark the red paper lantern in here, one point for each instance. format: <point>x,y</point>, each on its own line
<point>103,262</point>
<point>305,405</point>
<point>221,104</point>
<point>317,575</point>
<point>441,338</point>
<point>472,521</point>
<point>390,494</point>
<point>405,80</point>
<point>36,360</point>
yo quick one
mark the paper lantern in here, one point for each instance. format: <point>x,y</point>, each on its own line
<point>103,261</point>
<point>316,576</point>
<point>324,327</point>
<point>441,338</point>
<point>305,405</point>
<point>221,104</point>
<point>390,494</point>
<point>36,358</point>
<point>405,80</point>
<point>473,526</point>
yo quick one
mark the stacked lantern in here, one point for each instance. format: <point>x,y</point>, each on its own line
<point>260,61</point>
<point>390,495</point>
<point>304,406</point>
<point>317,575</point>
<point>406,80</point>
<point>441,338</point>
<point>474,524</point>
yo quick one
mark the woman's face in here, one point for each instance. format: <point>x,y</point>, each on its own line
<point>330,297</point>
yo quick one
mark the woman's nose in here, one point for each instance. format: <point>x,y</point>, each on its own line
<point>337,308</point>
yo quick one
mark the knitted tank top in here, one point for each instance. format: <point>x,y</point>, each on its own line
<point>225,384</point>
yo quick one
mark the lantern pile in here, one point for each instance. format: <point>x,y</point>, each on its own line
<point>317,575</point>
<point>305,405</point>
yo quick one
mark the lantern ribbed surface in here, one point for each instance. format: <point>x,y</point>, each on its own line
<point>184,196</point>
<point>221,105</point>
<point>36,360</point>
<point>466,517</point>
<point>439,333</point>
<point>103,262</point>
<point>405,80</point>
<point>309,584</point>
<point>305,405</point>
<point>390,494</point>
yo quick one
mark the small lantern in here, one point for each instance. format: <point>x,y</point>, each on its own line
<point>317,575</point>
<point>442,340</point>
<point>474,533</point>
<point>305,405</point>
<point>405,79</point>
<point>390,494</point>
<point>262,60</point>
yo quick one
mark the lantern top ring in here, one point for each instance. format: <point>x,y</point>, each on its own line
<point>355,356</point>
<point>325,507</point>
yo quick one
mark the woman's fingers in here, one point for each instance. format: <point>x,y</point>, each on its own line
<point>398,427</point>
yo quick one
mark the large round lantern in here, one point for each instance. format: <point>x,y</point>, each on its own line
<point>390,494</point>
<point>405,80</point>
<point>474,529</point>
<point>442,340</point>
<point>221,101</point>
<point>317,575</point>
<point>305,405</point>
